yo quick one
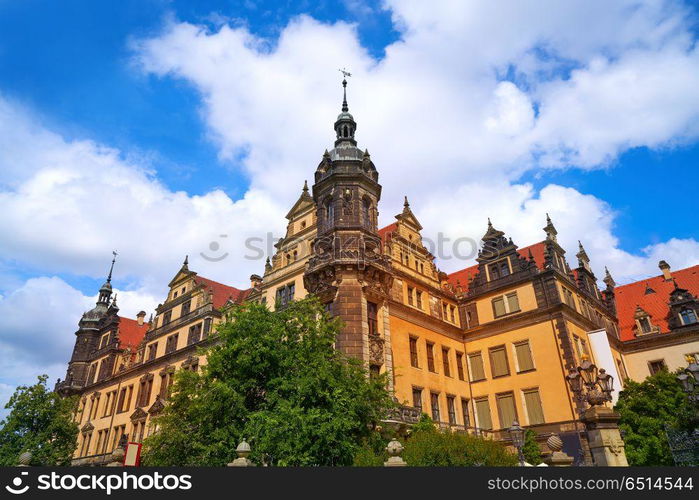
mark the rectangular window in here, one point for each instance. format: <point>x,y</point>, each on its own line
<point>418,299</point>
<point>657,366</point>
<point>483,414</point>
<point>152,350</point>
<point>417,397</point>
<point>524,356</point>
<point>532,401</point>
<point>499,307</point>
<point>185,308</point>
<point>568,297</point>
<point>194,334</point>
<point>445,362</point>
<point>451,409</point>
<point>430,357</point>
<point>460,365</point>
<point>475,361</point>
<point>144,392</point>
<point>506,409</point>
<point>372,314</point>
<point>464,412</point>
<point>207,328</point>
<point>413,353</point>
<point>445,311</point>
<point>167,317</point>
<point>411,292</point>
<point>166,380</point>
<point>498,361</point>
<point>171,343</point>
<point>434,404</point>
<point>505,304</point>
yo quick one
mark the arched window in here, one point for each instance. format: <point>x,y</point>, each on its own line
<point>345,131</point>
<point>688,316</point>
<point>329,211</point>
<point>366,212</point>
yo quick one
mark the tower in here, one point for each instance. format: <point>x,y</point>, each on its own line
<point>90,328</point>
<point>348,271</point>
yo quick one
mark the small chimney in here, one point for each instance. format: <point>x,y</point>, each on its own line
<point>255,281</point>
<point>140,316</point>
<point>665,268</point>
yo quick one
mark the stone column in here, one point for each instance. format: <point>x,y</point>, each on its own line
<point>243,450</point>
<point>605,441</point>
<point>558,457</point>
<point>394,450</point>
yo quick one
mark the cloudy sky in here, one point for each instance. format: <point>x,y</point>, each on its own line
<point>156,128</point>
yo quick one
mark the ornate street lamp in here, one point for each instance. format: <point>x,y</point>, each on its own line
<point>690,379</point>
<point>590,384</point>
<point>517,435</point>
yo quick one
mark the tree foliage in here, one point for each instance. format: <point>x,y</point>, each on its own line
<point>645,409</point>
<point>531,449</point>
<point>437,448</point>
<point>41,422</point>
<point>275,379</point>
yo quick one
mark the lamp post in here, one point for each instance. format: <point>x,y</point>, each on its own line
<point>689,379</point>
<point>593,387</point>
<point>517,435</point>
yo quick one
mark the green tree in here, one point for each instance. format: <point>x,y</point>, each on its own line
<point>275,379</point>
<point>645,409</point>
<point>432,448</point>
<point>41,422</point>
<point>531,450</point>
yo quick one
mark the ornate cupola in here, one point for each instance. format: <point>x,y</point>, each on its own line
<point>345,126</point>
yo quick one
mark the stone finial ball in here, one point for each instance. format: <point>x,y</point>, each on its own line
<point>394,448</point>
<point>554,443</point>
<point>25,458</point>
<point>243,449</point>
<point>118,454</point>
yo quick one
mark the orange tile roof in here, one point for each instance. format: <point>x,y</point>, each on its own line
<point>221,293</point>
<point>130,332</point>
<point>385,232</point>
<point>462,276</point>
<point>628,297</point>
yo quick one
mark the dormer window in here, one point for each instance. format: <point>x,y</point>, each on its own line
<point>688,316</point>
<point>498,270</point>
<point>644,325</point>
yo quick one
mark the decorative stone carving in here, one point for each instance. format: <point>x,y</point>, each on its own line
<point>376,350</point>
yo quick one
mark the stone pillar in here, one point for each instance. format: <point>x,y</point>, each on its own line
<point>394,450</point>
<point>243,450</point>
<point>604,438</point>
<point>558,457</point>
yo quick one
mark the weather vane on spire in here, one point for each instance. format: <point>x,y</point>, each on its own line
<point>345,74</point>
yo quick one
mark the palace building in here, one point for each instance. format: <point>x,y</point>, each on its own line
<point>476,349</point>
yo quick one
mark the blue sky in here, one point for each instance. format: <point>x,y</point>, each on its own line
<point>152,127</point>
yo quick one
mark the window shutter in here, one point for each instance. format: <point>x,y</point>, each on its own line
<point>512,302</point>
<point>524,357</point>
<point>498,307</point>
<point>476,365</point>
<point>498,362</point>
<point>506,410</point>
<point>483,412</point>
<point>534,409</point>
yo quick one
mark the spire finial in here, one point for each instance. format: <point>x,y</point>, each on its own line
<point>305,186</point>
<point>345,74</point>
<point>186,261</point>
<point>490,224</point>
<point>111,268</point>
<point>405,203</point>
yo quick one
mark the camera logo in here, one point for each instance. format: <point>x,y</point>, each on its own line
<point>17,482</point>
<point>214,246</point>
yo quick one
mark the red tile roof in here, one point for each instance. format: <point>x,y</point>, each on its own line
<point>385,232</point>
<point>462,276</point>
<point>130,332</point>
<point>221,293</point>
<point>630,296</point>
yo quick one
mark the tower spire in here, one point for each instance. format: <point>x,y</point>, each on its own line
<point>345,74</point>
<point>111,268</point>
